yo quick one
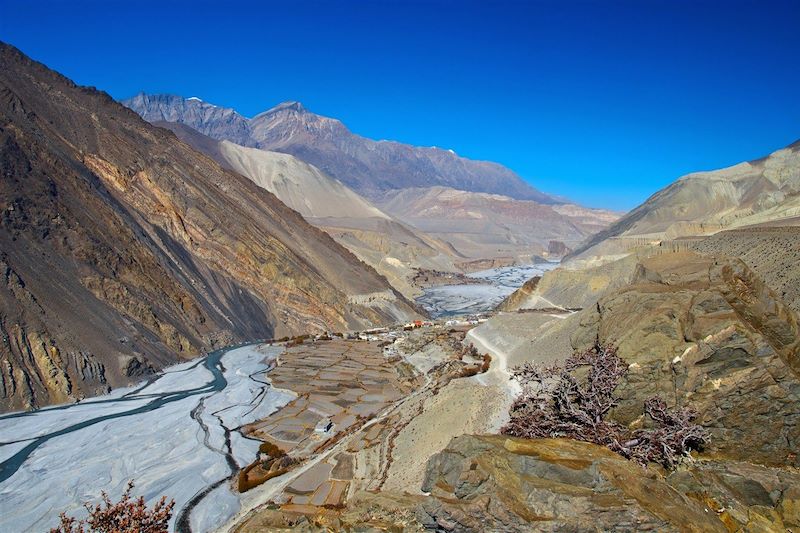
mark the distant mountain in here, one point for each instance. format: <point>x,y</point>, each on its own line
<point>301,186</point>
<point>761,192</point>
<point>368,167</point>
<point>392,248</point>
<point>481,225</point>
<point>123,250</point>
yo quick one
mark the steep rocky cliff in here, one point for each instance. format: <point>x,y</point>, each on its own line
<point>710,334</point>
<point>123,250</point>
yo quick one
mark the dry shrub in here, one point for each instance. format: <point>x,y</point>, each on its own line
<point>248,478</point>
<point>271,449</point>
<point>469,371</point>
<point>125,516</point>
<point>558,402</point>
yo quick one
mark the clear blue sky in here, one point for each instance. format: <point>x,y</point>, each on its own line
<point>603,102</point>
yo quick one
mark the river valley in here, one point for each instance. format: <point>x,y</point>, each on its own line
<point>176,435</point>
<point>460,299</point>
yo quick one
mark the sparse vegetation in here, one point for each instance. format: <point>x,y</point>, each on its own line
<point>270,449</point>
<point>573,399</point>
<point>128,515</point>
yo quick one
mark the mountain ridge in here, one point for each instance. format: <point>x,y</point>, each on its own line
<point>367,166</point>
<point>702,203</point>
<point>124,250</point>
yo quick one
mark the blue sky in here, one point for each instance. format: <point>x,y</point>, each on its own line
<point>602,102</point>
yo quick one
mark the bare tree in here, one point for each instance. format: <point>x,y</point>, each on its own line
<point>573,399</point>
<point>128,515</point>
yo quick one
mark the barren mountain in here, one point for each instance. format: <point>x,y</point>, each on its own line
<point>123,250</point>
<point>703,203</point>
<point>301,186</point>
<point>392,248</point>
<point>368,167</point>
<point>483,225</point>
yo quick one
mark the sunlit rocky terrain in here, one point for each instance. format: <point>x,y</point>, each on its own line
<point>281,325</point>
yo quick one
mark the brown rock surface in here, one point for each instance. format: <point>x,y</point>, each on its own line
<point>711,335</point>
<point>773,252</point>
<point>507,484</point>
<point>122,250</point>
<point>481,483</point>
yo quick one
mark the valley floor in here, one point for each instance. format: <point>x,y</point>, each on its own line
<point>353,414</point>
<point>473,298</point>
<point>176,435</point>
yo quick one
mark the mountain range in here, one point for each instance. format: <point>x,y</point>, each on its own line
<point>394,249</point>
<point>483,225</point>
<point>123,250</point>
<point>512,222</point>
<point>368,167</point>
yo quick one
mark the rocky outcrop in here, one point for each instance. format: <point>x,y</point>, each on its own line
<point>707,334</point>
<point>517,299</point>
<point>481,483</point>
<point>571,288</point>
<point>124,250</point>
<point>772,252</point>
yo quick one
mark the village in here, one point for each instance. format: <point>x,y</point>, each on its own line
<point>355,393</point>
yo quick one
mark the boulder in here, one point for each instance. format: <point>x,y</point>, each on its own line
<point>495,483</point>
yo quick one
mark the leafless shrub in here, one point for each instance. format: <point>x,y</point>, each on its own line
<point>128,515</point>
<point>559,401</point>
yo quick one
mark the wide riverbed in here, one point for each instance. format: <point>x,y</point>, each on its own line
<point>176,435</point>
<point>453,300</point>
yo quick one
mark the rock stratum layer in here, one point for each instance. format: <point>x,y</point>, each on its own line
<point>393,249</point>
<point>123,250</point>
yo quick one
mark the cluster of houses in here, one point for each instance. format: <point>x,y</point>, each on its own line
<point>389,333</point>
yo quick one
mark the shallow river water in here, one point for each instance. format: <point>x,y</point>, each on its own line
<point>176,435</point>
<point>454,300</point>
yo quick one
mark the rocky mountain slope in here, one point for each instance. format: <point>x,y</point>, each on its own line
<point>123,250</point>
<point>700,331</point>
<point>772,252</point>
<point>481,225</point>
<point>702,203</point>
<point>368,167</point>
<point>297,184</point>
<point>395,250</point>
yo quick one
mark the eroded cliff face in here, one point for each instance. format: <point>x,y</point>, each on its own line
<point>496,483</point>
<point>707,333</point>
<point>123,250</point>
